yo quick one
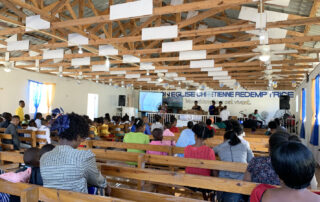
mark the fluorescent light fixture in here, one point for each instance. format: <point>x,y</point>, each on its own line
<point>250,14</point>
<point>160,71</point>
<point>179,78</point>
<point>202,63</point>
<point>75,39</point>
<point>154,82</point>
<point>211,69</point>
<point>36,23</point>
<point>80,61</point>
<point>107,50</point>
<point>216,78</point>
<point>177,46</point>
<point>162,32</point>
<point>193,55</point>
<point>132,76</point>
<point>12,38</point>
<point>131,9</point>
<point>18,45</point>
<point>217,74</point>
<point>176,2</point>
<point>130,59</point>
<point>171,74</point>
<point>283,3</point>
<point>144,79</point>
<point>117,72</point>
<point>146,66</point>
<point>99,68</point>
<point>53,54</point>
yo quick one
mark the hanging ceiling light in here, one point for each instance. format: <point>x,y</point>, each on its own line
<point>147,73</point>
<point>80,51</point>
<point>264,57</point>
<point>80,76</point>
<point>275,84</point>
<point>294,84</point>
<point>122,84</point>
<point>60,74</point>
<point>160,79</point>
<point>107,63</point>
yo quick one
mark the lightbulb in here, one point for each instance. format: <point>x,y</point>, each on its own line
<point>294,84</point>
<point>60,74</point>
<point>264,57</point>
<point>160,79</point>
<point>179,83</point>
<point>7,69</point>
<point>107,64</point>
<point>80,51</point>
<point>147,73</point>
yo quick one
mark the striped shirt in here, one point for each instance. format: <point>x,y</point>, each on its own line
<point>70,169</point>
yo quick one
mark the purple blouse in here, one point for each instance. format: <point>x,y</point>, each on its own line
<point>261,171</point>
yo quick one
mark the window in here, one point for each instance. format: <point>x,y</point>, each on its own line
<point>297,103</point>
<point>40,97</point>
<point>314,139</point>
<point>92,109</point>
<point>303,113</point>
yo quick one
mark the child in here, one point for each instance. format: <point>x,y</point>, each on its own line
<point>157,134</point>
<point>45,127</point>
<point>13,130</point>
<point>173,128</point>
<point>26,119</point>
<point>38,119</point>
<point>167,132</point>
<point>157,123</point>
<point>105,128</point>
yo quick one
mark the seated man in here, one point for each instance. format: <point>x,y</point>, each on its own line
<point>250,123</point>
<point>13,130</point>
<point>224,114</point>
<point>196,106</point>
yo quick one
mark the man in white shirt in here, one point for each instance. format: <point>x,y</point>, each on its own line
<point>44,127</point>
<point>224,114</point>
<point>157,123</point>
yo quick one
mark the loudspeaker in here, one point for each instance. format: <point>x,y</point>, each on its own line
<point>122,101</point>
<point>284,102</point>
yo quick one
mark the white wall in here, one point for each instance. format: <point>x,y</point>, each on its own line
<point>308,124</point>
<point>236,101</point>
<point>69,95</point>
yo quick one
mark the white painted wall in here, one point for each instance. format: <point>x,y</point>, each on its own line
<point>308,124</point>
<point>236,101</point>
<point>69,95</point>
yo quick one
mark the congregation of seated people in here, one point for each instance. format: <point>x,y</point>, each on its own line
<point>289,163</point>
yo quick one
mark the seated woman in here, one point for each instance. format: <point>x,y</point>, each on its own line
<point>186,137</point>
<point>157,134</point>
<point>200,151</point>
<point>174,128</point>
<point>167,132</point>
<point>295,166</point>
<point>232,150</point>
<point>138,136</point>
<point>260,169</point>
<point>66,167</point>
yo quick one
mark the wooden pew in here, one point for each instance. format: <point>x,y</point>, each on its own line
<point>33,193</point>
<point>116,192</point>
<point>173,178</point>
<point>33,139</point>
<point>259,147</point>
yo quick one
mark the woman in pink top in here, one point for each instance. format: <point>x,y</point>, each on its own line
<point>167,132</point>
<point>200,151</point>
<point>157,134</point>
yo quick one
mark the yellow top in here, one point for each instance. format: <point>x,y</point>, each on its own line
<point>105,130</point>
<point>20,113</point>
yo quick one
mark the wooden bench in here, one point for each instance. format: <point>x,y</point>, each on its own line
<point>34,140</point>
<point>129,194</point>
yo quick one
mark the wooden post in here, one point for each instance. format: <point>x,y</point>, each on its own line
<point>30,194</point>
<point>34,139</point>
<point>141,164</point>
